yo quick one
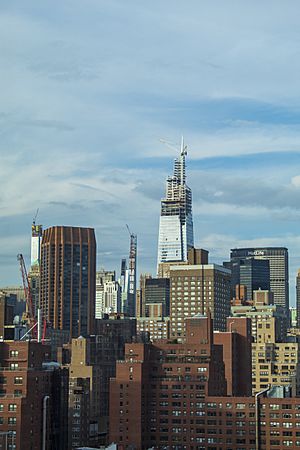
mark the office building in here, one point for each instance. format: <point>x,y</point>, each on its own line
<point>176,221</point>
<point>279,270</point>
<point>198,289</point>
<point>157,294</point>
<point>251,273</point>
<point>68,272</point>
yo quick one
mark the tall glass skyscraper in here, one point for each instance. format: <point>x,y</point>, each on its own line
<point>279,270</point>
<point>176,234</point>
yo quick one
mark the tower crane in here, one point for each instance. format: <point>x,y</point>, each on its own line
<point>36,214</point>
<point>34,326</point>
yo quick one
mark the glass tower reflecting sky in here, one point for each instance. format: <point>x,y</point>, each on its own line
<point>176,234</point>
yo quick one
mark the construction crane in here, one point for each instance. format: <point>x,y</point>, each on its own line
<point>35,217</point>
<point>132,274</point>
<point>29,314</point>
<point>183,147</point>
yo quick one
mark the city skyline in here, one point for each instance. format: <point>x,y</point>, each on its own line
<point>81,120</point>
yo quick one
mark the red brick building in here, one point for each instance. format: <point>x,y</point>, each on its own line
<point>173,396</point>
<point>32,398</point>
<point>236,344</point>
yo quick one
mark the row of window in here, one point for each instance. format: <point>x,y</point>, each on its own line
<point>17,380</point>
<point>10,420</point>
<point>11,407</point>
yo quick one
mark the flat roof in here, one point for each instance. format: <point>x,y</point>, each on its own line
<point>187,267</point>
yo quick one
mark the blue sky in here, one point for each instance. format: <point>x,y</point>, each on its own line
<point>88,89</point>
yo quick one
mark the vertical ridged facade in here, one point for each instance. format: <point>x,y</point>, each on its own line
<point>176,234</point>
<point>68,279</point>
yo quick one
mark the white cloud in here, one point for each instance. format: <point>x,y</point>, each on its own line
<point>85,86</point>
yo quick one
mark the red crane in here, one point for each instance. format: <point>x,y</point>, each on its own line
<point>28,297</point>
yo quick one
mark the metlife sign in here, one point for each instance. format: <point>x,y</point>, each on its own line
<point>256,253</point>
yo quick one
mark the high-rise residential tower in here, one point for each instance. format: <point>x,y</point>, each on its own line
<point>298,297</point>
<point>198,289</point>
<point>128,279</point>
<point>108,293</point>
<point>36,240</point>
<point>279,269</point>
<point>34,273</point>
<point>68,279</point>
<point>176,235</point>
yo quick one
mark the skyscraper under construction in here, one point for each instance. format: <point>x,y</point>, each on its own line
<point>176,234</point>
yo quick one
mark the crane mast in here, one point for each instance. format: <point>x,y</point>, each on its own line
<point>29,315</point>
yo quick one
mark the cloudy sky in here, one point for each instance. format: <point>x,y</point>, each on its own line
<point>88,89</point>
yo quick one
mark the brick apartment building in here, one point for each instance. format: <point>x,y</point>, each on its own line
<point>33,398</point>
<point>157,396</point>
<point>93,362</point>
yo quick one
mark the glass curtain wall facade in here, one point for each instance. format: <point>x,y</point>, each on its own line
<point>176,234</point>
<point>279,269</point>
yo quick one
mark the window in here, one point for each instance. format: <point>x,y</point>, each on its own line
<point>18,380</point>
<point>12,407</point>
<point>14,353</point>
<point>240,406</point>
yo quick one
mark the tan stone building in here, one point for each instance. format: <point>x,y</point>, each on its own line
<point>275,358</point>
<point>268,322</point>
<point>275,364</point>
<point>84,394</point>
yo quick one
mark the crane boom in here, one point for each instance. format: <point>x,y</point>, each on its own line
<point>36,214</point>
<point>28,297</point>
